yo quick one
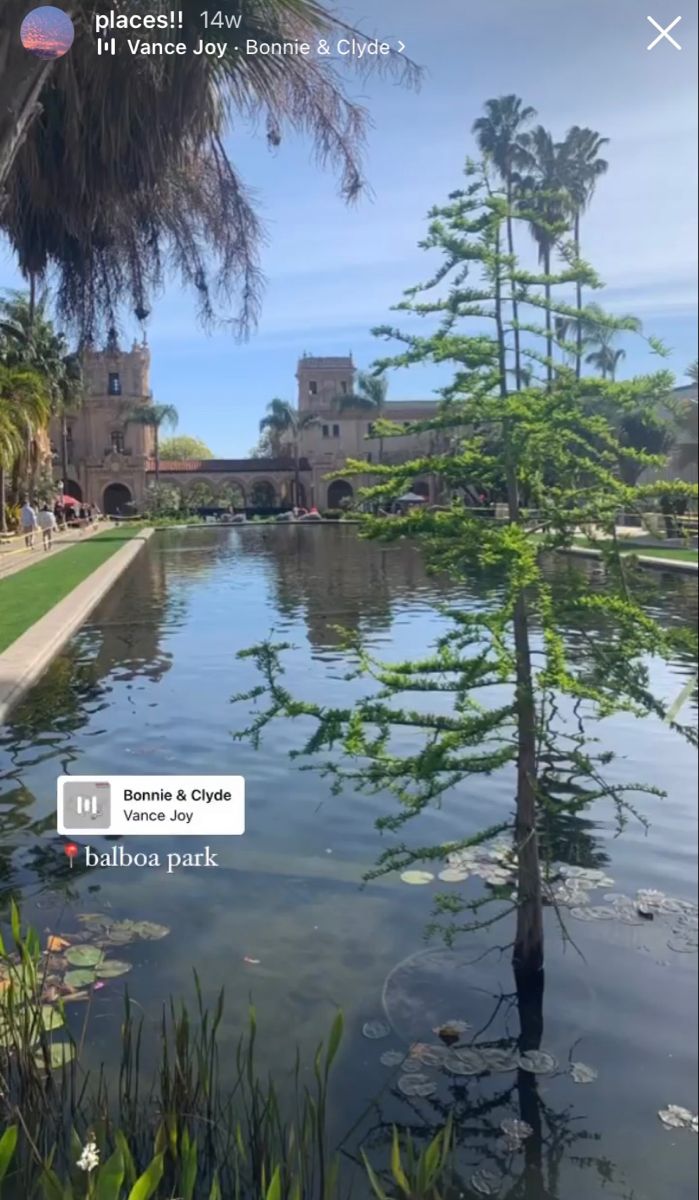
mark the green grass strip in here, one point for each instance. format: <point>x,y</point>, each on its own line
<point>679,555</point>
<point>31,593</point>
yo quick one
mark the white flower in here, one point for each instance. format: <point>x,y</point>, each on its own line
<point>90,1157</point>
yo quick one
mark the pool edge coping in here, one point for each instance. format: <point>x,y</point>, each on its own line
<point>26,659</point>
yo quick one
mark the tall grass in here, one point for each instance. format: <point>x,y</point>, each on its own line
<point>192,1132</point>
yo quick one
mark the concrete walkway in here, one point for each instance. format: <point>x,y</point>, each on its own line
<point>15,556</point>
<point>26,659</point>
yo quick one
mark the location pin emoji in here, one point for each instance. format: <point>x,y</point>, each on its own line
<point>71,850</point>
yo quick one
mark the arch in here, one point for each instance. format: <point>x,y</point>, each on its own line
<point>262,494</point>
<point>301,497</point>
<point>421,488</point>
<point>115,499</point>
<point>199,494</point>
<point>231,494</point>
<point>72,488</point>
<point>338,491</point>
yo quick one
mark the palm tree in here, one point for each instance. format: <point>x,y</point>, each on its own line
<point>282,420</point>
<point>157,183</point>
<point>154,416</point>
<point>581,167</point>
<point>369,395</point>
<point>544,203</point>
<point>605,358</point>
<point>499,137</point>
<point>34,343</point>
<point>693,371</point>
<point>24,413</point>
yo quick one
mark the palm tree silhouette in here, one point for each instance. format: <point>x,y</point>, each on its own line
<point>154,416</point>
<point>581,167</point>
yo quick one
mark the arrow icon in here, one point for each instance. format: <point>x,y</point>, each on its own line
<point>401,46</point>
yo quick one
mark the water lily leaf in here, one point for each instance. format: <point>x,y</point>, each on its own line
<point>676,1117</point>
<point>581,1073</point>
<point>538,1062</point>
<point>485,1183</point>
<point>96,919</point>
<point>684,945</point>
<point>119,937</point>
<point>417,877</point>
<point>111,968</point>
<point>51,1018</point>
<point>150,931</point>
<point>79,979</point>
<point>417,1085</point>
<point>499,1060</point>
<point>84,956</point>
<point>598,913</point>
<point>430,1056</point>
<point>464,1062</point>
<point>454,874</point>
<point>391,1058</point>
<point>412,1066</point>
<point>516,1130</point>
<point>375,1030</point>
<point>59,1055</point>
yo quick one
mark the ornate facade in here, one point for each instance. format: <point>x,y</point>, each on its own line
<point>110,459</point>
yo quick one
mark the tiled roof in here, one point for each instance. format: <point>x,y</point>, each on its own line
<point>193,466</point>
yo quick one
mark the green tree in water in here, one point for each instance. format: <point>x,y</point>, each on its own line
<point>508,672</point>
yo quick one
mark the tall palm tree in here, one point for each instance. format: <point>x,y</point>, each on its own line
<point>370,396</point>
<point>543,200</point>
<point>605,358</point>
<point>285,421</point>
<point>157,183</point>
<point>155,417</point>
<point>499,137</point>
<point>24,413</point>
<point>581,167</point>
<point>693,371</point>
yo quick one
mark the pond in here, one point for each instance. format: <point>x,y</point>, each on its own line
<point>147,687</point>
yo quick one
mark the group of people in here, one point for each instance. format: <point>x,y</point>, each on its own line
<point>48,520</point>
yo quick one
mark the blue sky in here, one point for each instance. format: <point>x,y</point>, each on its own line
<point>333,271</point>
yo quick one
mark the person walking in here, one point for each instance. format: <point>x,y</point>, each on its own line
<point>47,523</point>
<point>28,523</point>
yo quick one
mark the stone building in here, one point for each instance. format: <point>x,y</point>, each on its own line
<point>107,456</point>
<point>110,463</point>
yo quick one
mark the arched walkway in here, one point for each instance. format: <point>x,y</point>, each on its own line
<point>262,494</point>
<point>71,488</point>
<point>338,491</point>
<point>199,494</point>
<point>116,497</point>
<point>230,495</point>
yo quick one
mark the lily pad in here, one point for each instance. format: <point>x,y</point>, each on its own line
<point>391,1058</point>
<point>454,874</point>
<point>98,920</point>
<point>516,1130</point>
<point>538,1062</point>
<point>84,956</point>
<point>119,937</point>
<point>599,913</point>
<point>676,1117</point>
<point>375,1030</point>
<point>581,1073</point>
<point>417,1085</point>
<point>51,1018</point>
<point>412,1066</point>
<point>485,1183</point>
<point>417,877</point>
<point>464,1062</point>
<point>430,1056</point>
<point>149,930</point>
<point>111,968</point>
<point>499,1060</point>
<point>79,979</point>
<point>59,1055</point>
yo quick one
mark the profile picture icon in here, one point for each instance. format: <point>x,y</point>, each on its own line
<point>47,32</point>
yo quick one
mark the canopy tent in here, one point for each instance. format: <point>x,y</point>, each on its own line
<point>411,498</point>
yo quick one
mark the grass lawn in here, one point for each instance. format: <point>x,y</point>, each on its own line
<point>29,594</point>
<point>691,556</point>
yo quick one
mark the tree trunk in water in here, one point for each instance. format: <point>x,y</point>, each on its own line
<point>578,301</point>
<point>22,77</point>
<point>528,954</point>
<point>530,1005</point>
<point>3,522</point>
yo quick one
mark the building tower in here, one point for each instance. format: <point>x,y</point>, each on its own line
<point>322,381</point>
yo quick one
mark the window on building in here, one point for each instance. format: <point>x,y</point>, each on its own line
<point>325,429</point>
<point>312,387</point>
<point>370,429</point>
<point>344,387</point>
<point>336,430</point>
<point>114,384</point>
<point>117,441</point>
<point>368,457</point>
